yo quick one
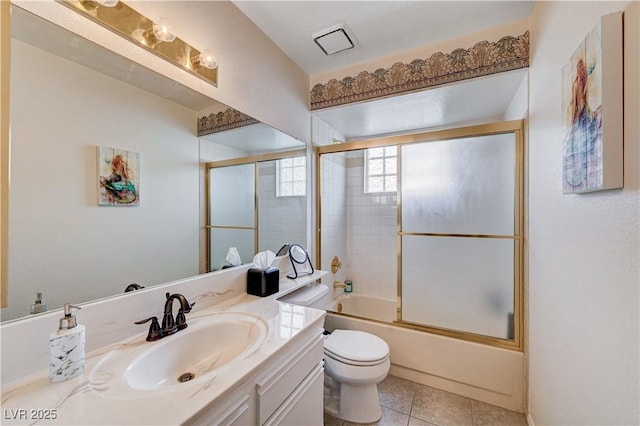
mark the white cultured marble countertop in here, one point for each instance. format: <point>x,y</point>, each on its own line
<point>100,395</point>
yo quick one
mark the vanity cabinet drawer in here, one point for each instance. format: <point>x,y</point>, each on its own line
<point>291,370</point>
<point>235,410</point>
<point>302,407</point>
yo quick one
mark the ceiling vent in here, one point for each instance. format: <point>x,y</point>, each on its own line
<point>333,40</point>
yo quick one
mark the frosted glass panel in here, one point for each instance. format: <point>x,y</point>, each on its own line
<point>463,284</point>
<point>232,195</point>
<point>223,239</point>
<point>461,186</point>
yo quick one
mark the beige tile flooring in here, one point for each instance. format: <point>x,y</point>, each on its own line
<point>406,403</point>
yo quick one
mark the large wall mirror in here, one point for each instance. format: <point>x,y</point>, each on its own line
<point>70,96</point>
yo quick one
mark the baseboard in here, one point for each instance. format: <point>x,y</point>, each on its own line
<point>479,394</point>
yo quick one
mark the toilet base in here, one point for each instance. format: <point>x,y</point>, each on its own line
<point>359,403</point>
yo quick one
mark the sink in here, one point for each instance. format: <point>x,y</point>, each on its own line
<point>208,346</point>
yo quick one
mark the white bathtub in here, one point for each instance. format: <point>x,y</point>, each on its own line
<point>364,306</point>
<point>481,372</point>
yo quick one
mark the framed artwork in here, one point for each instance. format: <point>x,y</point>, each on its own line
<point>118,177</point>
<point>592,96</point>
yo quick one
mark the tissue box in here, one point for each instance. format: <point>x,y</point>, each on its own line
<point>263,282</point>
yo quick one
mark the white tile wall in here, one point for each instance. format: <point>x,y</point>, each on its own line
<point>371,235</point>
<point>280,219</point>
<point>361,229</point>
<point>334,214</point>
<point>334,223</point>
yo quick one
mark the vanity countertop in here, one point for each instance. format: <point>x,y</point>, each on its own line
<point>98,396</point>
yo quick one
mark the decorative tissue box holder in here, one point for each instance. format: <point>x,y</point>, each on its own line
<point>263,282</point>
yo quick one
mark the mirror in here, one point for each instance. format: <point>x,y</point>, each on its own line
<point>299,257</point>
<point>256,200</point>
<point>69,97</point>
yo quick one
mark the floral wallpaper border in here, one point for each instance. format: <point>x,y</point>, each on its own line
<point>223,120</point>
<point>484,58</point>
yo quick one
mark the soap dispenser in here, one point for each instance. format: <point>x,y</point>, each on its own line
<point>38,306</point>
<point>66,348</point>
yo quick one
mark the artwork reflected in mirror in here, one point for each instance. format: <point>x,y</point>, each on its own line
<point>119,177</point>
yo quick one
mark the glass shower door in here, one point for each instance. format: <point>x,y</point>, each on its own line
<point>458,234</point>
<point>232,213</point>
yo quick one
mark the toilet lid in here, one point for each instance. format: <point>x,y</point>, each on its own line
<point>356,346</point>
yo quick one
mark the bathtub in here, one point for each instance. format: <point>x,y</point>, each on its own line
<point>485,373</point>
<point>364,306</point>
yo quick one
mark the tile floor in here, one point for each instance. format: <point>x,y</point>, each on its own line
<point>405,403</point>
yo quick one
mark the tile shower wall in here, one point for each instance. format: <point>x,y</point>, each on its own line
<point>334,201</point>
<point>371,234</point>
<point>334,214</point>
<point>281,220</point>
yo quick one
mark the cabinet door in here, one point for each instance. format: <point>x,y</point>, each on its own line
<point>274,388</point>
<point>305,405</point>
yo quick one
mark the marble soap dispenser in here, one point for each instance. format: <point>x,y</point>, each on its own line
<point>66,348</point>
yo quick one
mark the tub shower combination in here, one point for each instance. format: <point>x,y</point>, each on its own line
<point>448,218</point>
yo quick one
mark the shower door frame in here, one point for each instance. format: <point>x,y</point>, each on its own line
<point>254,159</point>
<point>517,128</point>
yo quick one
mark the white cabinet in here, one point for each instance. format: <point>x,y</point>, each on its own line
<point>286,390</point>
<point>302,408</point>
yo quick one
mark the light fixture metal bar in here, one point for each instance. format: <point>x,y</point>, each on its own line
<point>123,20</point>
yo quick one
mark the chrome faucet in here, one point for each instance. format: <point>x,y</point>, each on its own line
<point>169,324</point>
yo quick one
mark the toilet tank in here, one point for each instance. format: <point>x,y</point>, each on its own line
<point>312,295</point>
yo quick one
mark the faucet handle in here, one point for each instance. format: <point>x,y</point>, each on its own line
<point>154,329</point>
<point>181,320</point>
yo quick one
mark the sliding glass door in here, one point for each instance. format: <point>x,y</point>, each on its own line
<point>457,234</point>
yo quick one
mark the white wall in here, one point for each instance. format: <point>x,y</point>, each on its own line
<point>519,104</point>
<point>211,151</point>
<point>584,249</point>
<point>61,242</point>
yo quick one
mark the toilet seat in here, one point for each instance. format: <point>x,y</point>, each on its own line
<point>356,348</point>
<point>353,362</point>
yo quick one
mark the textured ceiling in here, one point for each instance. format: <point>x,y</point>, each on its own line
<point>380,28</point>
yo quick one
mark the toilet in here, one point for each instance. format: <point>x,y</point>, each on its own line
<point>354,361</point>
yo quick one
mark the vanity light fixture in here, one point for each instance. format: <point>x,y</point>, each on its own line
<point>156,36</point>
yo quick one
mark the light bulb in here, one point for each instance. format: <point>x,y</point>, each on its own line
<point>163,30</point>
<point>206,59</point>
<point>107,3</point>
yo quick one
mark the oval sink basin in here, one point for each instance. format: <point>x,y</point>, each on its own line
<point>197,352</point>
